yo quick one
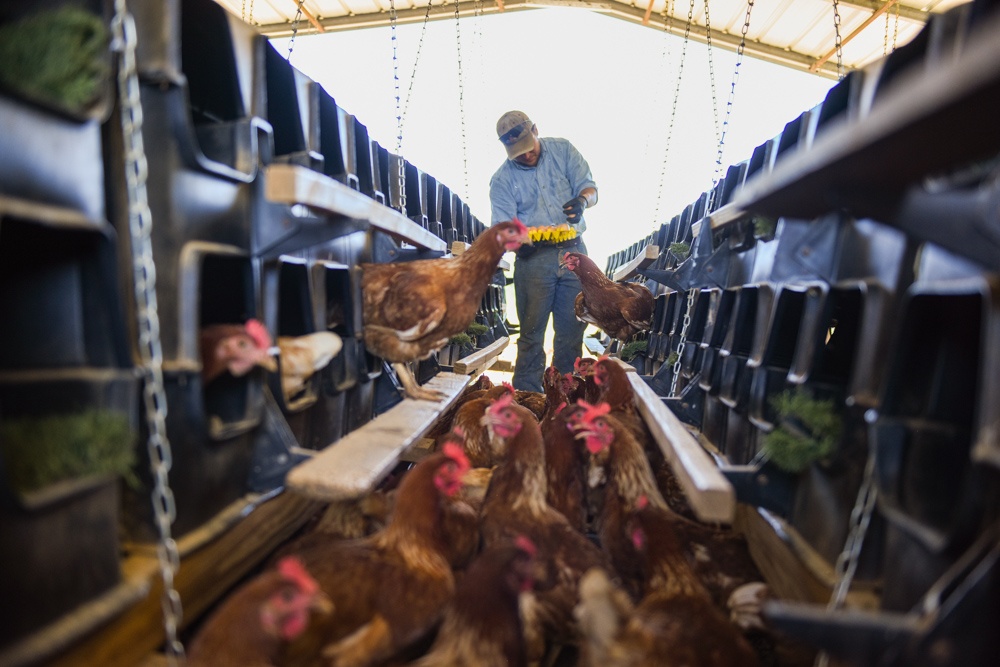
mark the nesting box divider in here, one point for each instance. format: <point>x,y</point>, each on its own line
<point>769,370</point>
<point>64,355</point>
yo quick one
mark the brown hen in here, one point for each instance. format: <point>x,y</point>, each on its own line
<point>620,310</point>
<point>516,505</point>
<point>250,626</point>
<point>482,626</point>
<point>676,624</point>
<point>390,589</point>
<point>411,309</point>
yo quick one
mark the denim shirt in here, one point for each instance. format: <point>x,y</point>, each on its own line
<point>536,195</point>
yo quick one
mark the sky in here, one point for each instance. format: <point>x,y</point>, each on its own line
<point>611,87</point>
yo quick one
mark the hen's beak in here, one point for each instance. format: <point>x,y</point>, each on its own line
<point>321,603</point>
<point>267,362</point>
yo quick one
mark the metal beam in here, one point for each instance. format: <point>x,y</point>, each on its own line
<point>618,10</point>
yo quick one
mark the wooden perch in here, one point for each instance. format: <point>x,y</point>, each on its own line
<point>723,216</point>
<point>709,493</point>
<point>644,259</point>
<point>481,359</point>
<point>353,465</point>
<point>291,184</point>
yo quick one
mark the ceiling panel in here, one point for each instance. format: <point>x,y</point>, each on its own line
<point>795,33</point>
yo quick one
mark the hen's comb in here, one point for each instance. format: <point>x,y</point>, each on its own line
<point>292,569</point>
<point>594,411</point>
<point>456,454</point>
<point>258,332</point>
<point>643,502</point>
<point>638,538</point>
<point>458,433</point>
<point>524,543</point>
<point>520,225</point>
<point>504,401</point>
<point>508,386</point>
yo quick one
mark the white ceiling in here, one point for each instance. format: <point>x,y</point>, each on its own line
<point>795,33</point>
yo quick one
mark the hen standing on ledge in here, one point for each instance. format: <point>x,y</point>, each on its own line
<point>411,309</point>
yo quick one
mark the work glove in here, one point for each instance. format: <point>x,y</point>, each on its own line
<point>573,209</point>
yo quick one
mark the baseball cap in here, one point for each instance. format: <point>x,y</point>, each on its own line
<point>514,131</point>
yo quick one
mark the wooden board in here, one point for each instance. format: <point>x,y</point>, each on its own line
<point>724,215</point>
<point>708,492</point>
<point>644,259</point>
<point>481,359</point>
<point>204,576</point>
<point>291,184</point>
<point>792,569</point>
<point>353,465</point>
<point>593,346</point>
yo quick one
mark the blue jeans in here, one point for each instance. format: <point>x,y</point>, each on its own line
<point>541,288</point>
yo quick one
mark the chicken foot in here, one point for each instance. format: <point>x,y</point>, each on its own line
<point>410,387</point>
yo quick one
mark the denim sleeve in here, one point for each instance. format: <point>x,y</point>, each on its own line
<point>503,207</point>
<point>578,170</point>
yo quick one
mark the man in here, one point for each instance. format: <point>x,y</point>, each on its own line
<point>544,182</point>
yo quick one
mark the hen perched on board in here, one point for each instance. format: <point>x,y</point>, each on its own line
<point>411,309</point>
<point>250,626</point>
<point>389,590</point>
<point>620,310</point>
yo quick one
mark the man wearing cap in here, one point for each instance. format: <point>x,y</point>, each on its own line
<point>544,182</point>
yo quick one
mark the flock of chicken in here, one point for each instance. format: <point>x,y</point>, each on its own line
<point>543,529</point>
<point>411,309</point>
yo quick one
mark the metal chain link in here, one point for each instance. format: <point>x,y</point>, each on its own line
<point>295,29</point>
<point>673,111</point>
<point>400,164</point>
<point>150,350</point>
<point>837,42</point>
<point>711,73</point>
<point>461,99</point>
<point>885,37</point>
<point>416,61</point>
<point>895,26</point>
<point>729,103</point>
<point>847,561</point>
<point>685,323</point>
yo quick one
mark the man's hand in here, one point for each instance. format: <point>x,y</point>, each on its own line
<point>573,209</point>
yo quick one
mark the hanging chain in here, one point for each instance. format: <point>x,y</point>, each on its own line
<point>150,350</point>
<point>885,37</point>
<point>673,111</point>
<point>837,41</point>
<point>416,61</point>
<point>461,98</point>
<point>711,73</point>
<point>243,12</point>
<point>895,25</point>
<point>400,163</point>
<point>685,323</point>
<point>295,28</point>
<point>729,102</point>
<point>847,562</point>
